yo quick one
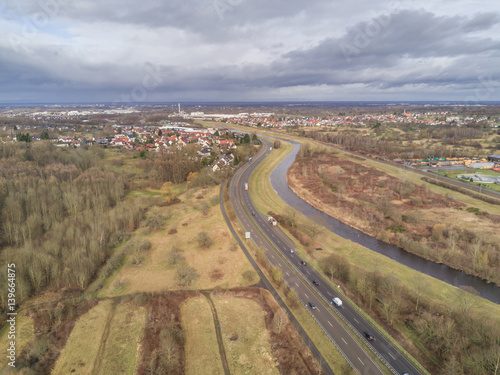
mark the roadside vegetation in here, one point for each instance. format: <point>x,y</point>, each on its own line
<point>437,323</point>
<point>400,212</point>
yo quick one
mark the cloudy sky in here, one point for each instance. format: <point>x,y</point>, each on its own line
<point>248,50</point>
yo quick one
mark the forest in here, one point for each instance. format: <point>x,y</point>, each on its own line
<point>61,212</point>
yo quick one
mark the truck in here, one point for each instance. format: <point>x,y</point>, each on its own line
<point>246,185</point>
<point>337,301</point>
<point>271,220</point>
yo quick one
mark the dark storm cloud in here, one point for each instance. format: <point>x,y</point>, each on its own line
<point>405,37</point>
<point>241,48</point>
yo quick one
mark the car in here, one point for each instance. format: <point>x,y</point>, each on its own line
<point>303,262</point>
<point>312,305</point>
<point>315,282</point>
<point>253,213</point>
<point>291,251</point>
<point>406,373</point>
<point>368,335</point>
<point>337,301</point>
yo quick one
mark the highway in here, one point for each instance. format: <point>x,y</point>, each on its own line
<point>299,277</point>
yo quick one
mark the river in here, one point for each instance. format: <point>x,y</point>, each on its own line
<point>441,272</point>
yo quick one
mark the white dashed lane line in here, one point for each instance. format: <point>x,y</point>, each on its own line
<point>344,341</point>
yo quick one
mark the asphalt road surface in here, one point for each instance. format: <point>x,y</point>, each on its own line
<point>300,277</point>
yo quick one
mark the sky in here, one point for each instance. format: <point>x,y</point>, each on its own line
<point>57,51</point>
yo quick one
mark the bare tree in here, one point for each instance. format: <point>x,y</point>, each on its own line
<point>280,321</point>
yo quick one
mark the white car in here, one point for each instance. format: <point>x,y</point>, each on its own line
<point>291,251</point>
<point>337,301</point>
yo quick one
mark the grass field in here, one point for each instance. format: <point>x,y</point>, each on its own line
<point>122,345</point>
<point>24,333</point>
<point>366,260</point>
<point>80,352</point>
<point>104,341</point>
<point>201,349</point>
<point>454,173</point>
<point>246,339</point>
<point>266,199</point>
<point>216,266</point>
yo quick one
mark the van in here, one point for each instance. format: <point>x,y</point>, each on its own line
<point>337,301</point>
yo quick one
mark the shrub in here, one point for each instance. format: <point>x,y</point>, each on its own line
<point>248,275</point>
<point>154,221</point>
<point>186,275</point>
<point>204,240</point>
<point>437,231</point>
<point>175,258</point>
<point>396,228</point>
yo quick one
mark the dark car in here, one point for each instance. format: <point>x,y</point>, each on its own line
<point>315,282</point>
<point>253,213</point>
<point>368,336</point>
<point>303,262</point>
<point>312,305</point>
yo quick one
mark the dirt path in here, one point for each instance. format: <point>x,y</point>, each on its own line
<point>222,351</point>
<point>102,346</point>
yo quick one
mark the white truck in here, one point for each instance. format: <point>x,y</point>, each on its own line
<point>271,220</point>
<point>246,185</point>
<point>337,301</point>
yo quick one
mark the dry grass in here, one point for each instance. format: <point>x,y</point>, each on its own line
<point>246,339</point>
<point>264,196</point>
<point>216,266</point>
<point>122,344</point>
<point>80,352</point>
<point>201,349</point>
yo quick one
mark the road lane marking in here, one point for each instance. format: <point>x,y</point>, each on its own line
<point>345,342</point>
<point>287,274</point>
<point>297,285</point>
<point>356,320</point>
<point>329,323</point>
<point>306,295</point>
<point>361,361</point>
<point>391,356</point>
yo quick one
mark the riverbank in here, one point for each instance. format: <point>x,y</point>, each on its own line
<point>398,212</point>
